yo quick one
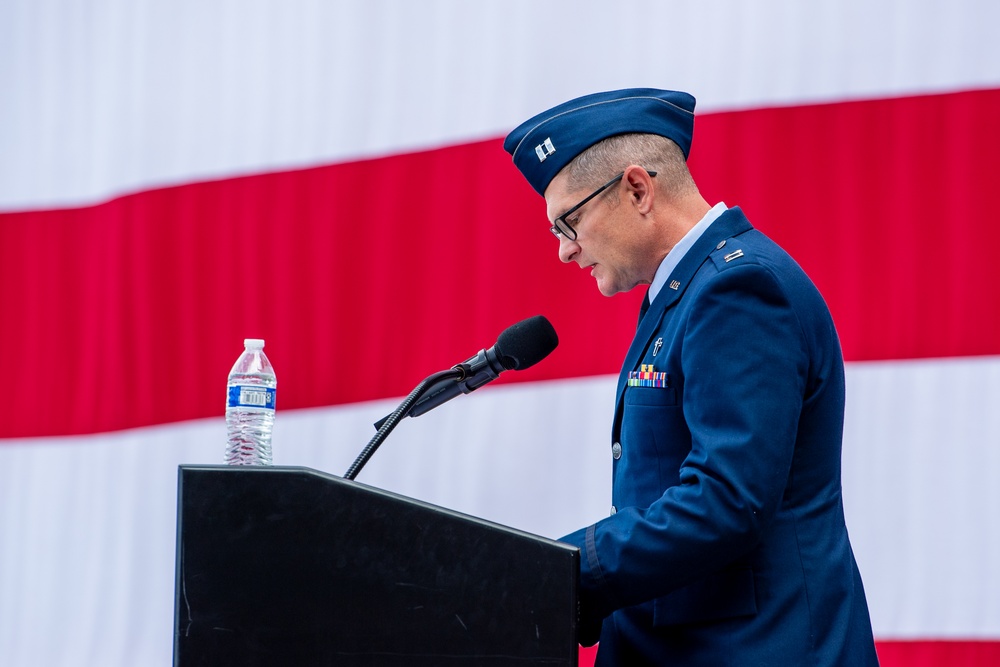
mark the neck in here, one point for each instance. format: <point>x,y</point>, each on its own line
<point>678,218</point>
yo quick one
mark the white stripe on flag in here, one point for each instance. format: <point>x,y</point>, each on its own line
<point>87,524</point>
<point>126,95</point>
<point>921,458</point>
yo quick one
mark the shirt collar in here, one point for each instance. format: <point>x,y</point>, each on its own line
<point>677,253</point>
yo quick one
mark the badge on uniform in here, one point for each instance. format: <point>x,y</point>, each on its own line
<point>647,376</point>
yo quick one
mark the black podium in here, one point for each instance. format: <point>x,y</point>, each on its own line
<point>293,567</point>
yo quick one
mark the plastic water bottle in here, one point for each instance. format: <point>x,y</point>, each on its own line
<point>250,394</point>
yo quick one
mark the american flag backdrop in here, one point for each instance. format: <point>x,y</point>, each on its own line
<point>328,176</point>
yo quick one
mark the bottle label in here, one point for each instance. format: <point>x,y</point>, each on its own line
<point>251,397</point>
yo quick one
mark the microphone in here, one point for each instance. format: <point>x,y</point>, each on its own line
<point>519,346</point>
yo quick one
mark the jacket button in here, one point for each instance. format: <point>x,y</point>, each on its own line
<point>616,450</point>
<point>614,510</point>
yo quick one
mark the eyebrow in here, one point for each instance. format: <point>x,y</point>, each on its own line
<point>564,213</point>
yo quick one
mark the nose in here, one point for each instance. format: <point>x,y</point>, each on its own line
<point>568,249</point>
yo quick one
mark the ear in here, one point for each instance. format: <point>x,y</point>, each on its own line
<point>640,188</point>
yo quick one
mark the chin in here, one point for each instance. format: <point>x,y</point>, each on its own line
<point>607,290</point>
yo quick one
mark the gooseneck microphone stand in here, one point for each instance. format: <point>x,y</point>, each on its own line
<point>385,427</point>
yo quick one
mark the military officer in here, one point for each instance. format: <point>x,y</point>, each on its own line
<point>727,543</point>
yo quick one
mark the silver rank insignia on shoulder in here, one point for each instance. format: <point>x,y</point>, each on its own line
<point>736,254</point>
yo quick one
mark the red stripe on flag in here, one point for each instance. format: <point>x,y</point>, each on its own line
<point>907,654</point>
<point>938,653</point>
<point>362,278</point>
<point>365,277</point>
<point>888,204</point>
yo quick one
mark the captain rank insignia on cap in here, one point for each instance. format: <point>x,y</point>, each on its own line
<point>545,149</point>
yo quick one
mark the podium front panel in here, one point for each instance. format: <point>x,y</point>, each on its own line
<point>291,566</point>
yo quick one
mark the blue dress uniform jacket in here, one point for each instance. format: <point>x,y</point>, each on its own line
<point>727,543</point>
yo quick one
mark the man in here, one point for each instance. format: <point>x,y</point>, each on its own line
<point>726,543</point>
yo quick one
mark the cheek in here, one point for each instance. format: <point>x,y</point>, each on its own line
<point>617,254</point>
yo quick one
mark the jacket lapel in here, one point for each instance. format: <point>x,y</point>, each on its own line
<point>727,225</point>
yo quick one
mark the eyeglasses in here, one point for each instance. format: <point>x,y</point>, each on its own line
<point>561,227</point>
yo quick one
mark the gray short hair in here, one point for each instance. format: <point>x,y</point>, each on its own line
<point>609,156</point>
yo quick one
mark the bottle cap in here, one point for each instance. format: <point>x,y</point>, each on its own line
<point>253,343</point>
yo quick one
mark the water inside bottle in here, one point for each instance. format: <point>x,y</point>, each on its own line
<point>249,423</point>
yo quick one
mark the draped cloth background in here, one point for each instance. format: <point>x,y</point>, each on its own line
<point>328,176</point>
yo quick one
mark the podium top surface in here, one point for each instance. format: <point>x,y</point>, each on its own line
<point>320,478</point>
